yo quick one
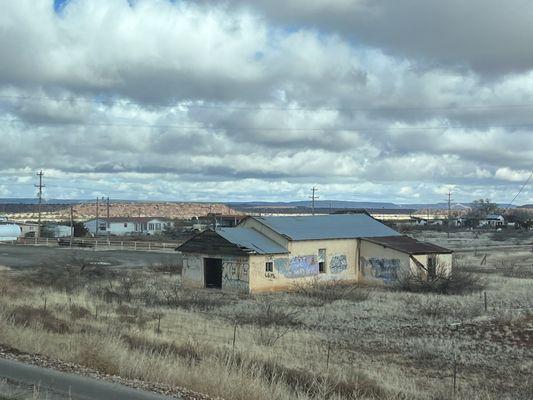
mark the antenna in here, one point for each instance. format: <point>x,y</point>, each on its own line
<point>313,197</point>
<point>40,186</point>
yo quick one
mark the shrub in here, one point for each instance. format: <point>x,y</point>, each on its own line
<point>186,351</point>
<point>304,381</point>
<point>92,356</point>
<point>456,282</point>
<point>330,291</point>
<point>77,312</point>
<point>27,315</point>
<point>190,299</point>
<point>515,271</point>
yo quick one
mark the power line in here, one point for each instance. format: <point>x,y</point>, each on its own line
<point>273,129</point>
<point>520,191</point>
<point>268,108</point>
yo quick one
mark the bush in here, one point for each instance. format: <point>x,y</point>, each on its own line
<point>330,291</point>
<point>77,312</point>
<point>456,282</point>
<point>515,271</point>
<point>185,351</point>
<point>27,315</point>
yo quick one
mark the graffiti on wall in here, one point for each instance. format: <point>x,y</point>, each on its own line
<point>297,267</point>
<point>235,273</point>
<point>385,269</point>
<point>338,264</point>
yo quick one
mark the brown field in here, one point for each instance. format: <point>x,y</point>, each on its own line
<point>339,343</point>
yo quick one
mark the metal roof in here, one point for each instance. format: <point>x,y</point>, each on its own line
<point>334,226</point>
<point>252,240</point>
<point>409,245</point>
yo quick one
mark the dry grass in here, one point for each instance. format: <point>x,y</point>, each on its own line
<point>313,344</point>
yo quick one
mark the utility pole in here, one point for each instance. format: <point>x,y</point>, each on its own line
<point>313,197</point>
<point>40,186</point>
<point>108,224</point>
<point>71,223</point>
<point>97,216</point>
<point>449,211</point>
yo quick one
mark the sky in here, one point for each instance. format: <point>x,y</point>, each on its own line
<point>200,100</point>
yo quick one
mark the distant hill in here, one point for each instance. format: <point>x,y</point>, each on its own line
<point>87,210</point>
<point>341,204</point>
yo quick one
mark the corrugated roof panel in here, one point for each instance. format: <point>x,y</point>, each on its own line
<point>409,245</point>
<point>343,226</point>
<point>251,239</point>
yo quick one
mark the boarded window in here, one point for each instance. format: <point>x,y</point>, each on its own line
<point>269,266</point>
<point>322,261</point>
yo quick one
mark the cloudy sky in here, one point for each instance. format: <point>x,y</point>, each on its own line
<point>381,100</point>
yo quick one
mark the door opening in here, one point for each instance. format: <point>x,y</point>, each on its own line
<point>213,273</point>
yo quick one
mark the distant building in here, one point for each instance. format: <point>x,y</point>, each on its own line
<point>29,229</point>
<point>120,226</point>
<point>58,231</point>
<point>275,253</point>
<point>492,220</point>
<point>216,220</point>
<point>9,232</point>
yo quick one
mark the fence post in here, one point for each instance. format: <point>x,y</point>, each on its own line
<point>149,246</point>
<point>135,245</point>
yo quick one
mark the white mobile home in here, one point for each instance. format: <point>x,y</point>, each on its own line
<point>119,226</point>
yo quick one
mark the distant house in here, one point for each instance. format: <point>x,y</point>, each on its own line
<point>58,231</point>
<point>29,229</point>
<point>492,220</point>
<point>216,220</point>
<point>275,253</point>
<point>121,226</point>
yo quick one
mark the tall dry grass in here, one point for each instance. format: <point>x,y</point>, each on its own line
<point>380,345</point>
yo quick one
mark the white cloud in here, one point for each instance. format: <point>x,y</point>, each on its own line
<point>273,108</point>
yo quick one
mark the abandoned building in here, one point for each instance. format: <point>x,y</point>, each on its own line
<point>273,253</point>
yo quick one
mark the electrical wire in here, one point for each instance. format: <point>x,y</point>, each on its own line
<point>268,108</point>
<point>268,129</point>
<point>520,191</point>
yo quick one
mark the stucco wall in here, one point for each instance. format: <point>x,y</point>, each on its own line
<point>380,264</point>
<point>301,265</point>
<point>235,271</point>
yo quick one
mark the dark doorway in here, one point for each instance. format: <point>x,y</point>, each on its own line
<point>213,273</point>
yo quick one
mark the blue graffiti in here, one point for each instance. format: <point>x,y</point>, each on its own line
<point>297,267</point>
<point>385,269</point>
<point>338,264</point>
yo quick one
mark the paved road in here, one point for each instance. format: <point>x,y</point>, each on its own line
<point>33,256</point>
<point>75,387</point>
